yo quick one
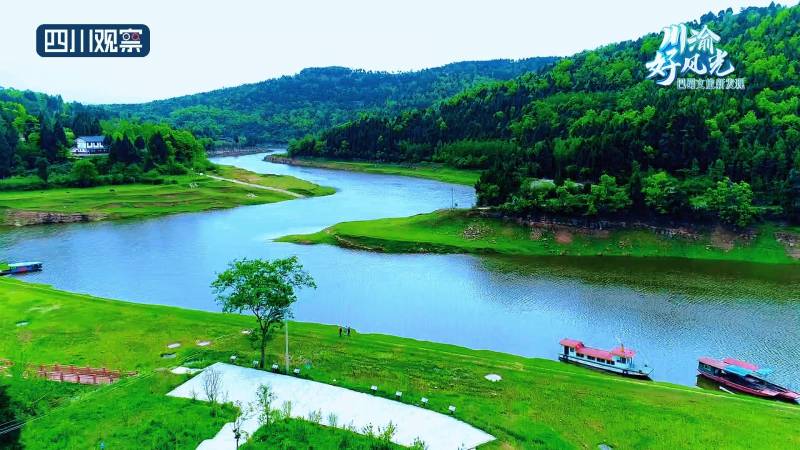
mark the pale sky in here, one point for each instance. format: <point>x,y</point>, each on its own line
<point>202,45</point>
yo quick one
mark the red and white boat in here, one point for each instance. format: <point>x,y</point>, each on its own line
<point>617,360</point>
<point>745,377</point>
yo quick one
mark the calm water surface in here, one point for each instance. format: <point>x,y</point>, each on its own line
<point>671,311</point>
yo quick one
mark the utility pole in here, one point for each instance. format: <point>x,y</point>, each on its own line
<point>286,327</point>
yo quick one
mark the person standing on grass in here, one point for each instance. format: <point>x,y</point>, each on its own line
<point>340,331</point>
<point>348,331</point>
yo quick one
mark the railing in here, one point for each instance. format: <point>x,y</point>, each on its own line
<point>81,375</point>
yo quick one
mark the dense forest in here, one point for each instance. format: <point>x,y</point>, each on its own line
<point>290,107</point>
<point>592,136</point>
<point>37,131</point>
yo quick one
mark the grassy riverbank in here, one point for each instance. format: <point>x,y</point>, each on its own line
<point>185,193</point>
<point>431,171</point>
<point>286,182</point>
<point>538,404</point>
<point>464,232</point>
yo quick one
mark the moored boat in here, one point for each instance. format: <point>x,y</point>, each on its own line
<point>745,377</point>
<point>23,267</point>
<point>618,360</point>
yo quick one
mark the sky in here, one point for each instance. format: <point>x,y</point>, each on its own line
<point>202,45</point>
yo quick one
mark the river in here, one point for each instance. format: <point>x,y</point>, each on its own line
<point>671,311</point>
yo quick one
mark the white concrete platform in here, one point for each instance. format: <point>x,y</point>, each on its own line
<point>438,431</point>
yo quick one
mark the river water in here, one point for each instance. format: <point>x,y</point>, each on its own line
<point>671,311</point>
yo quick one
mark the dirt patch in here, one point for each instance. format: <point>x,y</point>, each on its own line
<point>536,234</point>
<point>791,243</point>
<point>475,231</point>
<point>723,239</point>
<point>21,218</point>
<point>563,236</point>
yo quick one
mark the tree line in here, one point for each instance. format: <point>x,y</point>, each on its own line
<point>591,135</point>
<point>38,130</point>
<point>289,107</point>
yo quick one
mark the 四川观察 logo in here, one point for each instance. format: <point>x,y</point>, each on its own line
<point>100,40</point>
<point>696,53</point>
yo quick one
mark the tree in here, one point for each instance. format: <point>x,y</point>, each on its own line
<point>212,384</point>
<point>732,202</point>
<point>43,169</point>
<point>606,197</point>
<point>661,192</point>
<point>6,152</point>
<point>8,412</point>
<point>263,288</point>
<point>264,398</point>
<point>159,152</point>
<point>84,173</point>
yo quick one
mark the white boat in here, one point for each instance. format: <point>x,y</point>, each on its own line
<point>618,360</point>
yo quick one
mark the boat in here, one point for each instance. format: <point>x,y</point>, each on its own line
<point>23,267</point>
<point>619,360</point>
<point>745,377</point>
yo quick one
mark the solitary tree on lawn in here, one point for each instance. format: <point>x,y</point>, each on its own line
<point>264,288</point>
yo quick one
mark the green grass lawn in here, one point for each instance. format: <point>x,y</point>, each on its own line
<point>464,232</point>
<point>431,171</point>
<point>301,434</point>
<point>288,183</point>
<point>186,193</point>
<point>538,404</point>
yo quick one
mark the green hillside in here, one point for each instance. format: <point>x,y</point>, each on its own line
<point>546,140</point>
<point>289,107</point>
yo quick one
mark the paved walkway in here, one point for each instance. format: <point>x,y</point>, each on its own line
<point>258,186</point>
<point>438,431</point>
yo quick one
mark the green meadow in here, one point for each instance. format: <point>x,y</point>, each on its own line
<point>178,194</point>
<point>460,231</point>
<point>538,404</point>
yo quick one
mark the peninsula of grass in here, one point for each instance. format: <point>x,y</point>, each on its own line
<point>462,231</point>
<point>431,171</point>
<point>538,404</point>
<point>289,183</point>
<point>178,194</point>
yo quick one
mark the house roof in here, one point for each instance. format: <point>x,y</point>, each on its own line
<point>92,138</point>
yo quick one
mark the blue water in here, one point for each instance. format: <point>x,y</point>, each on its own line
<point>516,305</point>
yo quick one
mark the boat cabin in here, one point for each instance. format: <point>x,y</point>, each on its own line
<point>617,356</point>
<point>618,359</point>
<point>744,377</point>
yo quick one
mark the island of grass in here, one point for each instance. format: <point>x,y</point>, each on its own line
<point>225,188</point>
<point>538,404</point>
<point>427,170</point>
<point>470,231</point>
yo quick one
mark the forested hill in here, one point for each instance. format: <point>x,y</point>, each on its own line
<point>290,107</point>
<point>593,136</point>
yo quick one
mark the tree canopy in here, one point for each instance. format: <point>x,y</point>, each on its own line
<point>263,288</point>
<point>596,114</point>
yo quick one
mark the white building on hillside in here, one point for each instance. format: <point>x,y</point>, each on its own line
<point>89,145</point>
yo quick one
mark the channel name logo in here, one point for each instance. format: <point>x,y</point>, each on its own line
<point>98,40</point>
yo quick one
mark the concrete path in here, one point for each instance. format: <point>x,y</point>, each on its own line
<point>438,431</point>
<point>258,186</point>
